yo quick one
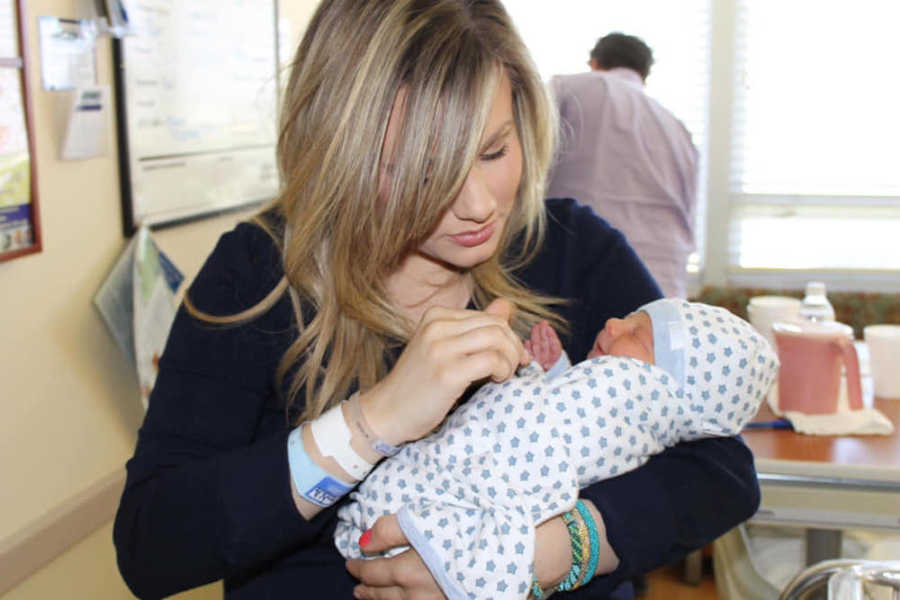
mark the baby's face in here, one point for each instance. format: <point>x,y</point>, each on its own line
<point>631,337</point>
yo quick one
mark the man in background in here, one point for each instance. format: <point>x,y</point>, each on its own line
<point>630,159</point>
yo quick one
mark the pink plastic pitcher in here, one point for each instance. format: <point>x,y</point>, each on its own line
<point>811,355</point>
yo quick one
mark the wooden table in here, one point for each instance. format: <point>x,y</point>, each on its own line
<point>828,483</point>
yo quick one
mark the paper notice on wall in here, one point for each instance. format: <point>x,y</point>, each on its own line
<point>88,130</point>
<point>68,53</point>
<point>138,302</point>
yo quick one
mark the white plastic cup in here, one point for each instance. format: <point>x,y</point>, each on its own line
<point>762,311</point>
<point>884,359</point>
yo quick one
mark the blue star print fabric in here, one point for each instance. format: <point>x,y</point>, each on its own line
<point>469,496</point>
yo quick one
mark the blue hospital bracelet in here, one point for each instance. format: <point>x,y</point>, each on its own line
<point>311,481</point>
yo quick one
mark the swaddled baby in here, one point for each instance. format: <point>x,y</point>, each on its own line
<point>469,496</point>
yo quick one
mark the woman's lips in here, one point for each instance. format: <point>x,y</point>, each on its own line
<point>471,239</point>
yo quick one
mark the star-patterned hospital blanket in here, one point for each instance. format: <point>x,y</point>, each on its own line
<point>469,496</point>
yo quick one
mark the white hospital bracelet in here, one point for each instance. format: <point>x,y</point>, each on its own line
<point>333,439</point>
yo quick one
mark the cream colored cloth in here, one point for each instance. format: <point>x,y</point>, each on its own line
<point>866,421</point>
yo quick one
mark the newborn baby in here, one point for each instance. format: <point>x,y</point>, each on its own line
<point>469,496</point>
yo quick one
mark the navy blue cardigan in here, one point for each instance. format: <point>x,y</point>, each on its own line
<point>208,493</point>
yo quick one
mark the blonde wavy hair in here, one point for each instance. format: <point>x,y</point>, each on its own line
<point>340,240</point>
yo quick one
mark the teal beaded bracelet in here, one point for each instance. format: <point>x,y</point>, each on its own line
<point>573,523</point>
<point>582,528</point>
<point>594,542</point>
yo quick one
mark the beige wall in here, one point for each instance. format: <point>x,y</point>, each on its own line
<point>70,405</point>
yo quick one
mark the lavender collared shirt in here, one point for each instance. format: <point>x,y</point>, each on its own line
<point>633,162</point>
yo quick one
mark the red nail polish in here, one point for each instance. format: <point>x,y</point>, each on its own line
<point>365,538</point>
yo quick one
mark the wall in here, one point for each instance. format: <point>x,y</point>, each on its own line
<point>70,404</point>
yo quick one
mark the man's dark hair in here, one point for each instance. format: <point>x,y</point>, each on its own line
<point>620,50</point>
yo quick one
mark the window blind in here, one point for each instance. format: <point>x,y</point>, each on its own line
<point>815,141</point>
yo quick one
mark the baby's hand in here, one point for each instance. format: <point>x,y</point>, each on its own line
<point>544,345</point>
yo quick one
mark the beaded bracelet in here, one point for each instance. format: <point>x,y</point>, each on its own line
<point>577,536</point>
<point>587,553</point>
<point>536,592</point>
<point>594,541</point>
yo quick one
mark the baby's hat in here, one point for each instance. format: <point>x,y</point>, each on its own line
<point>713,355</point>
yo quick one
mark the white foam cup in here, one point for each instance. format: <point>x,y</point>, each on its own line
<point>762,311</point>
<point>884,358</point>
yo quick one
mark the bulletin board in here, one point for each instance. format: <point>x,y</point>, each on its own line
<point>196,91</point>
<point>20,231</point>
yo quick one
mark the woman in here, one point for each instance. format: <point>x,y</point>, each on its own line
<point>408,253</point>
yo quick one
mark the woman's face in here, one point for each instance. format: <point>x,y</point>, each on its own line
<point>470,230</point>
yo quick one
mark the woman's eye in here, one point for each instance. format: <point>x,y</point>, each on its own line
<point>495,155</point>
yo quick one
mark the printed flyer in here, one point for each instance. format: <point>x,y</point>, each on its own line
<point>138,302</point>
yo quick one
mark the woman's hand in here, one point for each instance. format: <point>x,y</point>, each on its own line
<point>402,576</point>
<point>449,350</point>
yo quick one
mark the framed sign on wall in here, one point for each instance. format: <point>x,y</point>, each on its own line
<point>20,231</point>
<point>197,93</point>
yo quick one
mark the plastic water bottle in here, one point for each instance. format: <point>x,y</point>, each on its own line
<point>815,306</point>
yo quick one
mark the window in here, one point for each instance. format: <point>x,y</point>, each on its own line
<point>561,36</point>
<point>815,165</point>
<point>799,103</point>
